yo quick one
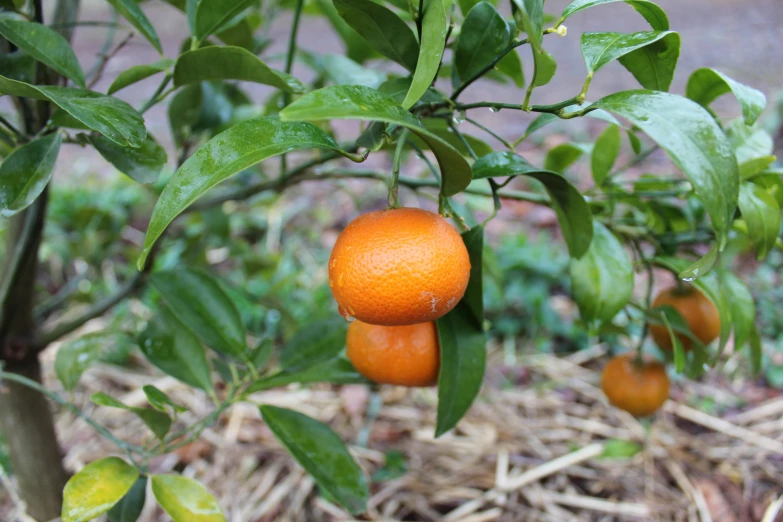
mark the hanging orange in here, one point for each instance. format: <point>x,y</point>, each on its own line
<point>699,314</point>
<point>640,388</point>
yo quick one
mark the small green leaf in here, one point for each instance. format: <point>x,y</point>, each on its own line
<point>751,167</point>
<point>96,488</point>
<point>484,34</point>
<point>559,158</point>
<point>702,266</point>
<point>74,357</point>
<point>474,294</point>
<point>142,164</point>
<point>25,173</point>
<point>383,30</point>
<point>158,422</point>
<point>335,371</point>
<point>621,449</point>
<point>749,143</point>
<point>133,13</point>
<point>602,280</point>
<point>605,152</point>
<point>170,346</point>
<point>316,342</point>
<point>321,452</point>
<point>654,15</point>
<point>363,103</point>
<point>44,44</point>
<point>138,73</point>
<point>198,300</point>
<point>762,216</point>
<point>694,142</point>
<point>433,42</point>
<point>229,63</point>
<point>103,399</point>
<point>160,400</point>
<point>511,66</point>
<point>677,347</point>
<point>228,153</point>
<point>130,507</point>
<point>462,361</point>
<point>185,500</point>
<point>573,212</point>
<point>341,70</point>
<point>706,85</point>
<point>211,16</point>
<point>530,19</point>
<point>743,308</point>
<point>653,65</point>
<point>356,47</point>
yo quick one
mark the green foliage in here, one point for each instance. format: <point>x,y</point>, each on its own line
<point>96,488</point>
<point>185,500</point>
<point>26,172</point>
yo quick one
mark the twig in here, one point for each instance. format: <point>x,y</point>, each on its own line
<point>104,59</point>
<point>52,304</point>
<point>626,509</point>
<point>10,126</point>
<point>106,44</point>
<point>157,96</point>
<point>484,70</point>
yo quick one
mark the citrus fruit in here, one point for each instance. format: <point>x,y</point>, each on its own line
<point>640,388</point>
<point>699,314</point>
<point>404,355</point>
<point>398,266</point>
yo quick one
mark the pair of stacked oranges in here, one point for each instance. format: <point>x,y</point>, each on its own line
<point>394,272</point>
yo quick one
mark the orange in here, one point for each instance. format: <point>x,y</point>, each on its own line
<point>398,266</point>
<point>699,313</point>
<point>403,355</point>
<point>640,388</point>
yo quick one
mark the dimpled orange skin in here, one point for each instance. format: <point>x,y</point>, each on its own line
<point>397,267</point>
<point>402,355</point>
<point>638,388</point>
<point>699,313</point>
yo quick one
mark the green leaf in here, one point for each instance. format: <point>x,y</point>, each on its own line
<point>511,66</point>
<point>706,85</point>
<point>363,103</point>
<point>621,449</point>
<point>198,300</point>
<point>743,308</point>
<point>185,500</point>
<point>383,30</point>
<point>702,266</point>
<point>694,142</point>
<point>74,357</point>
<point>335,371</point>
<point>25,173</point>
<point>545,68</point>
<point>357,48</point>
<point>654,15</point>
<point>677,348</point>
<point>316,342</point>
<point>142,164</point>
<point>18,66</point>
<point>103,399</point>
<point>474,294</point>
<point>751,167</point>
<point>341,70</point>
<point>133,13</point>
<point>530,19</point>
<point>160,400</point>
<point>602,280</point>
<point>462,361</point>
<point>559,158</point>
<point>762,215</point>
<point>211,16</point>
<point>749,143</point>
<point>44,44</point>
<point>228,153</point>
<point>605,152</point>
<point>229,63</point>
<point>653,65</point>
<point>441,129</point>
<point>321,452</point>
<point>158,422</point>
<point>433,42</point>
<point>175,350</point>
<point>138,73</point>
<point>129,508</point>
<point>184,112</point>
<point>572,211</point>
<point>484,34</point>
<point>96,488</point>
<point>598,49</point>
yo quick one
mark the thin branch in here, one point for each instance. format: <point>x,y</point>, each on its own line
<point>104,59</point>
<point>490,132</point>
<point>158,95</point>
<point>487,68</point>
<point>54,303</point>
<point>11,127</point>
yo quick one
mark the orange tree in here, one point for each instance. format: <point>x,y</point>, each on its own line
<point>723,195</point>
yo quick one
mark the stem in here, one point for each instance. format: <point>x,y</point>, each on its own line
<point>491,65</point>
<point>647,298</point>
<point>420,18</point>
<point>373,408</point>
<point>462,139</point>
<point>490,132</point>
<point>106,46</point>
<point>11,127</point>
<point>585,87</point>
<point>495,200</point>
<point>289,64</point>
<point>157,96</point>
<point>394,200</point>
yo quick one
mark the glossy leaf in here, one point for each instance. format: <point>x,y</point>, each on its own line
<point>185,500</point>
<point>362,103</point>
<point>693,141</point>
<point>158,422</point>
<point>356,47</point>
<point>341,70</point>
<point>322,453</point>
<point>44,44</point>
<point>130,507</point>
<point>433,42</point>
<point>598,49</point>
<point>530,19</point>
<point>160,400</point>
<point>138,73</point>
<point>545,68</point>
<point>484,34</point>
<point>653,65</point>
<point>749,143</point>
<point>463,358</point>
<point>335,371</point>
<point>74,357</point>
<point>142,164</point>
<point>382,29</point>
<point>702,266</point>
<point>572,211</point>
<point>96,488</point>
<point>198,300</point>
<point>743,308</point>
<point>229,63</point>
<point>654,15</point>
<point>754,166</point>
<point>605,152</point>
<point>706,85</point>
<point>131,11</point>
<point>762,216</point>
<point>563,156</point>
<point>474,294</point>
<point>228,153</point>
<point>511,66</point>
<point>210,16</point>
<point>602,280</point>
<point>18,65</point>
<point>25,173</point>
<point>314,343</point>
<point>170,346</point>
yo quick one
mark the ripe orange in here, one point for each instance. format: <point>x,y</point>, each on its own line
<point>699,313</point>
<point>638,388</point>
<point>403,355</point>
<point>399,266</point>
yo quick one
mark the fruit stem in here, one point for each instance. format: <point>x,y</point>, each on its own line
<point>445,210</point>
<point>373,408</point>
<point>394,200</point>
